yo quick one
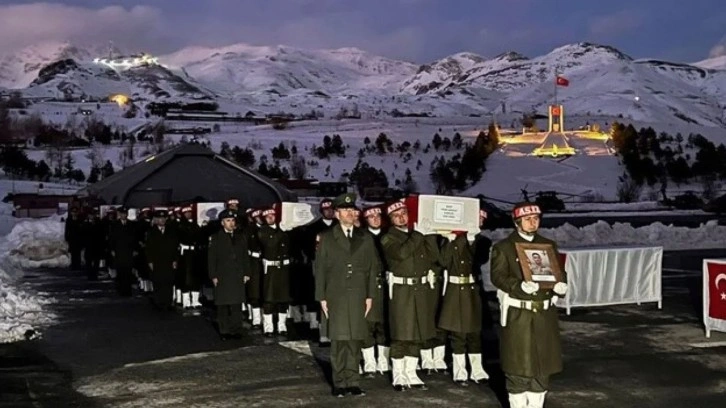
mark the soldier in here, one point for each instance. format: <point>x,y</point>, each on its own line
<point>275,245</point>
<point>74,237</point>
<point>162,252</point>
<point>377,318</point>
<point>461,307</point>
<point>411,260</point>
<point>93,244</point>
<point>123,246</point>
<point>143,225</point>
<point>228,264</point>
<point>346,268</point>
<point>106,259</point>
<point>190,275</point>
<point>326,221</point>
<point>254,286</point>
<point>530,339</point>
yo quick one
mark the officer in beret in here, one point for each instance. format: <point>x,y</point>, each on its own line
<point>229,266</point>
<point>123,245</point>
<point>346,268</point>
<point>162,252</point>
<point>530,341</point>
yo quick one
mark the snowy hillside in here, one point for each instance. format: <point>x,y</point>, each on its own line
<point>603,81</point>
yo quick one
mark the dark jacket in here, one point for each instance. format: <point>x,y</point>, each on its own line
<point>228,261</point>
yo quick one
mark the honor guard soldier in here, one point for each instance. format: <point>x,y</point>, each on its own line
<point>93,243</point>
<point>123,246</point>
<point>327,220</point>
<point>461,307</point>
<point>190,275</point>
<point>228,265</point>
<point>411,261</point>
<point>346,268</point>
<point>530,339</point>
<point>275,245</point>
<point>162,252</point>
<point>143,225</point>
<point>378,338</point>
<point>74,236</point>
<point>254,285</point>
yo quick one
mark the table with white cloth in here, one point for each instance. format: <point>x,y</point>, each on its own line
<point>612,276</point>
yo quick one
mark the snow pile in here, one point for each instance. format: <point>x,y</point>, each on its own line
<point>38,244</point>
<point>30,244</point>
<point>601,234</point>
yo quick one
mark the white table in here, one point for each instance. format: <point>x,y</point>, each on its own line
<point>613,276</point>
<point>713,282</point>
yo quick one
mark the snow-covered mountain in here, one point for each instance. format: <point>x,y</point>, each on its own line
<point>603,81</point>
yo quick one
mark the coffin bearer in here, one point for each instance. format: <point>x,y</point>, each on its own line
<point>228,265</point>
<point>123,246</point>
<point>254,285</point>
<point>190,276</point>
<point>411,280</point>
<point>162,252</point>
<point>346,268</point>
<point>530,340</point>
<point>74,236</point>
<point>461,307</point>
<point>378,338</point>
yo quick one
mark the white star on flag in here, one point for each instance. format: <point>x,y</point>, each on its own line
<point>723,296</point>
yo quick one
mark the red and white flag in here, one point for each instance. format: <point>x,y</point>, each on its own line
<point>562,81</point>
<point>717,290</point>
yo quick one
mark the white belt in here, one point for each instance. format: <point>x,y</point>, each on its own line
<point>505,302</point>
<point>254,254</point>
<point>429,278</point>
<point>408,281</point>
<point>267,263</point>
<point>186,248</point>
<point>462,280</point>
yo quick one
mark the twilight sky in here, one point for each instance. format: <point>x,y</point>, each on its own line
<point>414,30</point>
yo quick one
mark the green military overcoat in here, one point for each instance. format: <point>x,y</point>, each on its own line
<point>345,275</point>
<point>530,342</point>
<point>275,246</point>
<point>228,262</point>
<point>411,310</point>
<point>461,307</point>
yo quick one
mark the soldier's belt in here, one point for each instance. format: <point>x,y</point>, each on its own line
<point>186,248</point>
<point>506,302</point>
<point>254,254</point>
<point>276,263</point>
<point>398,280</point>
<point>462,280</point>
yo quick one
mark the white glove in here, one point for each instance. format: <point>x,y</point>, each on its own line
<point>451,237</point>
<point>560,288</point>
<point>471,237</point>
<point>529,287</point>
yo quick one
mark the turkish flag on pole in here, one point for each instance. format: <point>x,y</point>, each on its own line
<point>561,81</point>
<point>717,290</point>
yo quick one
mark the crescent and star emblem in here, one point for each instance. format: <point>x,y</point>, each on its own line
<point>719,278</point>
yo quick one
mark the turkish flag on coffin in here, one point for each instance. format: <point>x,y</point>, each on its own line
<point>412,206</point>
<point>717,291</point>
<point>562,81</point>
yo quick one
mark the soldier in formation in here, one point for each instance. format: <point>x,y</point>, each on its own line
<point>346,268</point>
<point>162,255</point>
<point>275,248</point>
<point>530,348</point>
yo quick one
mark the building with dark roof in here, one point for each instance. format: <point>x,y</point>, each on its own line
<point>185,174</point>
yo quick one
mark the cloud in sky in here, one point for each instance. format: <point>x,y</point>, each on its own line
<point>416,30</point>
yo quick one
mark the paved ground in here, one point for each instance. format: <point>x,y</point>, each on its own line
<point>114,352</point>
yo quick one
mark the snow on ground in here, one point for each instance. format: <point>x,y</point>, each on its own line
<point>601,234</point>
<point>30,244</point>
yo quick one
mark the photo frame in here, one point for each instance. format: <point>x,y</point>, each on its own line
<point>539,263</point>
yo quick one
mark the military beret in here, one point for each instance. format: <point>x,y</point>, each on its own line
<point>268,212</point>
<point>256,213</point>
<point>186,209</point>
<point>345,201</point>
<point>523,209</point>
<point>232,201</point>
<point>326,203</point>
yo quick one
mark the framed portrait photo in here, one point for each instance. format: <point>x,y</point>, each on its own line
<point>539,263</point>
